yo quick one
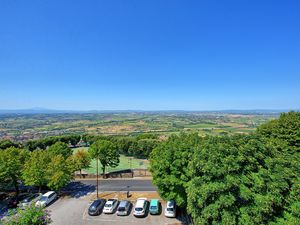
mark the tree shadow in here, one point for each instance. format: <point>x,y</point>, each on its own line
<point>76,189</point>
<point>183,217</point>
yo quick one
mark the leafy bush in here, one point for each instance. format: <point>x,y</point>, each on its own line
<point>31,215</point>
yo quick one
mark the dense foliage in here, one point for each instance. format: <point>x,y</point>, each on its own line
<point>240,179</point>
<point>29,216</point>
<point>11,165</point>
<point>106,152</point>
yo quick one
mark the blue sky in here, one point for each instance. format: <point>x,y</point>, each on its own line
<point>150,55</point>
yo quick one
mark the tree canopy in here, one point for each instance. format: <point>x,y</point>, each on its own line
<point>11,165</point>
<point>106,152</point>
<point>238,179</point>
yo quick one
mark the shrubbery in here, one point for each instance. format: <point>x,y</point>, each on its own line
<point>31,215</point>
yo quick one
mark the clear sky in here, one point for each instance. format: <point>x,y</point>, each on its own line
<point>156,54</point>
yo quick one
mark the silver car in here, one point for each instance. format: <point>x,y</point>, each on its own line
<point>30,199</point>
<point>124,208</point>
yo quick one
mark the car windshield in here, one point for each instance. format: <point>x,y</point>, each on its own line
<point>121,209</point>
<point>92,208</point>
<point>138,209</point>
<point>153,207</point>
<point>107,205</point>
<point>29,199</point>
<point>170,209</point>
<point>44,198</point>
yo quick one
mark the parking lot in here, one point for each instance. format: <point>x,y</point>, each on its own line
<point>73,211</point>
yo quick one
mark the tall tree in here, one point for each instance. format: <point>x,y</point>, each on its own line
<point>169,166</point>
<point>35,169</point>
<point>58,173</point>
<point>11,165</point>
<point>106,152</point>
<point>60,148</point>
<point>81,160</point>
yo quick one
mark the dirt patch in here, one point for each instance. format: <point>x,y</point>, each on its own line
<point>123,195</point>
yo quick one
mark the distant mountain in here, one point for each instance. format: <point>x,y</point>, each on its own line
<point>38,110</point>
<point>32,111</point>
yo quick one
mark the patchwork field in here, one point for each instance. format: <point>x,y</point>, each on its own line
<point>22,127</point>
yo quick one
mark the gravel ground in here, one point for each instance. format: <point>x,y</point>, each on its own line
<point>73,211</point>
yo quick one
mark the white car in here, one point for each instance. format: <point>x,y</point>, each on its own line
<point>170,210</point>
<point>110,206</point>
<point>46,199</point>
<point>140,207</point>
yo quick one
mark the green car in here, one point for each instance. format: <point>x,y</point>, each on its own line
<point>154,206</point>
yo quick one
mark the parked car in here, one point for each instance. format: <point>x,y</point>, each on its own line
<point>140,207</point>
<point>96,207</point>
<point>124,208</point>
<point>154,207</point>
<point>46,199</point>
<point>32,198</point>
<point>110,206</point>
<point>14,201</point>
<point>170,210</point>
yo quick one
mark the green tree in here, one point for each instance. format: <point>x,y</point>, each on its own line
<point>60,148</point>
<point>81,160</point>
<point>169,166</point>
<point>144,147</point>
<point>284,135</point>
<point>106,152</point>
<point>11,165</point>
<point>7,144</point>
<point>58,172</point>
<point>29,216</point>
<point>286,128</point>
<point>35,169</point>
<point>123,144</point>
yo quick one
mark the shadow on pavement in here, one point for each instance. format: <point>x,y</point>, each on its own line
<point>77,189</point>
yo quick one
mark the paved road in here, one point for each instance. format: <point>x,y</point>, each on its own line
<point>122,185</point>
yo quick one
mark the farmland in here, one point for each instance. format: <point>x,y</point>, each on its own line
<point>22,127</point>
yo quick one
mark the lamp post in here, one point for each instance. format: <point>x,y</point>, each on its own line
<point>97,178</point>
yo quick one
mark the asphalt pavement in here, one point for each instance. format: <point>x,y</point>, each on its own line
<point>122,185</point>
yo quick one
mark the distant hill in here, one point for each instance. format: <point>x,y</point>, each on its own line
<point>54,111</point>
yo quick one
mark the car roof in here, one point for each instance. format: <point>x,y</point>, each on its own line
<point>48,193</point>
<point>123,203</point>
<point>97,202</point>
<point>140,202</point>
<point>154,202</point>
<point>170,203</point>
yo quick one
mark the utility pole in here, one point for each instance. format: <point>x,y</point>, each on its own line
<point>97,178</point>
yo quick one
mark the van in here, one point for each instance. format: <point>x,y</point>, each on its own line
<point>124,208</point>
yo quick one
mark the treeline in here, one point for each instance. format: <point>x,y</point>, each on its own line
<point>50,168</point>
<point>138,146</point>
<point>240,179</point>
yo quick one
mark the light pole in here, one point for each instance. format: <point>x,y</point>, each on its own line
<point>97,178</point>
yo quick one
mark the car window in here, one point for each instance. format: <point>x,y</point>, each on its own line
<point>138,209</point>
<point>121,209</point>
<point>44,198</point>
<point>108,205</point>
<point>170,209</point>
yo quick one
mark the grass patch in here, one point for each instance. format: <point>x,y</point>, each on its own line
<point>125,163</point>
